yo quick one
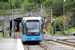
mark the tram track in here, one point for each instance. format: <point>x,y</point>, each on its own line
<point>44,47</point>
<point>35,47</point>
<point>28,48</point>
<point>68,43</point>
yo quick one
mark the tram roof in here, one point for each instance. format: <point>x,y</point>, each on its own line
<point>32,18</point>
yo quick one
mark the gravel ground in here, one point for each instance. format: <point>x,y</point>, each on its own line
<point>34,47</point>
<point>51,46</point>
<point>54,46</point>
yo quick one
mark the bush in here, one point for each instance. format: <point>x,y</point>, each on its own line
<point>5,33</point>
<point>69,31</point>
<point>68,27</point>
<point>49,28</point>
<point>2,34</point>
<point>28,5</point>
<point>1,5</point>
<point>60,34</point>
<point>0,22</point>
<point>5,6</point>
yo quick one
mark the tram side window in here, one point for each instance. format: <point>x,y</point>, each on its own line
<point>23,30</point>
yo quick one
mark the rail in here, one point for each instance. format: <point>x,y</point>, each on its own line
<point>69,43</point>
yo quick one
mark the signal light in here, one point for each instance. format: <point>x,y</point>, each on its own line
<point>70,23</point>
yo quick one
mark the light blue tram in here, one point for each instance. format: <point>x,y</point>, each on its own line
<point>30,29</point>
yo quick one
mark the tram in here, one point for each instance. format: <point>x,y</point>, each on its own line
<point>31,29</point>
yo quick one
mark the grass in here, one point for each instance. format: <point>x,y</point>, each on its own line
<point>0,23</point>
<point>2,34</point>
<point>60,34</point>
<point>9,12</point>
<point>5,34</point>
<point>70,30</point>
<point>67,32</point>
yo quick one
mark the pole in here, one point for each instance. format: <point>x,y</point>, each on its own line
<point>12,21</point>
<point>52,19</point>
<point>3,27</point>
<point>3,24</point>
<point>64,15</point>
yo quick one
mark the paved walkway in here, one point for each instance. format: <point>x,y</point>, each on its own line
<point>10,44</point>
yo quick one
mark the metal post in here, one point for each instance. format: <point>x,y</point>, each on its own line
<point>3,24</point>
<point>64,14</point>
<point>41,10</point>
<point>12,22</point>
<point>3,27</point>
<point>52,19</point>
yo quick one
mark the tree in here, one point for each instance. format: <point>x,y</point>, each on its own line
<point>59,24</point>
<point>27,4</point>
<point>17,3</point>
<point>5,6</point>
<point>49,28</point>
<point>72,18</point>
<point>70,6</point>
<point>47,3</point>
<point>0,22</point>
<point>10,3</point>
<point>57,7</point>
<point>1,5</point>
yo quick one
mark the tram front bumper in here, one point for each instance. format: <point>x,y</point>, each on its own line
<point>33,38</point>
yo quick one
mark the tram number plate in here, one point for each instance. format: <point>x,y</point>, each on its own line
<point>33,38</point>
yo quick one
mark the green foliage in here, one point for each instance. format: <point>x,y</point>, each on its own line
<point>5,34</point>
<point>49,28</point>
<point>68,27</point>
<point>60,34</point>
<point>5,12</point>
<point>70,5</point>
<point>17,3</point>
<point>2,34</point>
<point>70,30</point>
<point>1,5</point>
<point>0,22</point>
<point>72,18</point>
<point>27,5</point>
<point>5,6</point>
<point>58,8</point>
<point>59,24</point>
<point>47,3</point>
<point>10,3</point>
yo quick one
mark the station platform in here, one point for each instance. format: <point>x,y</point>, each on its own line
<point>10,44</point>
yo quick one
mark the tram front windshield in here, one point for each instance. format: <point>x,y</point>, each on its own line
<point>33,26</point>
